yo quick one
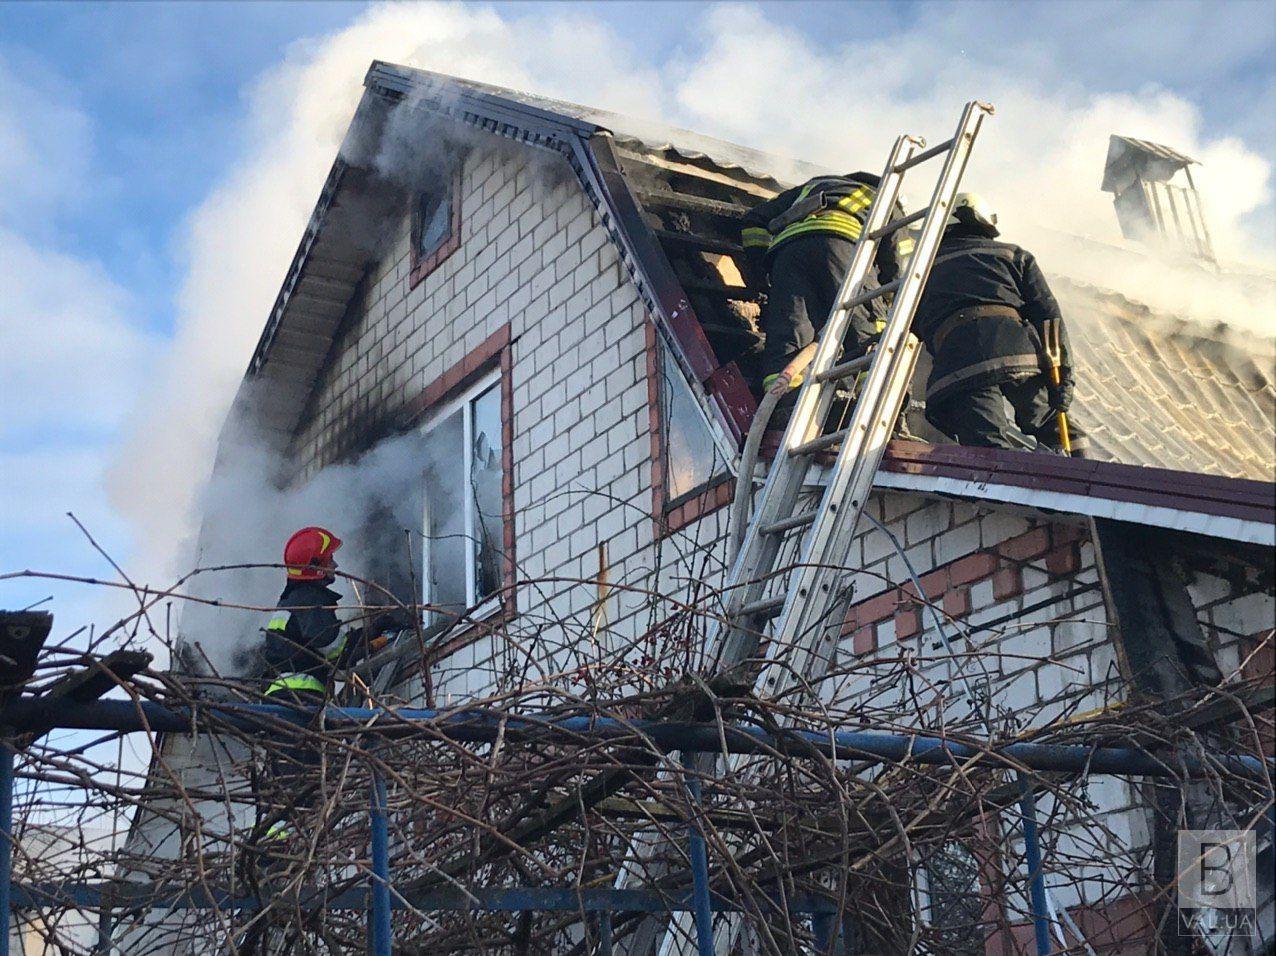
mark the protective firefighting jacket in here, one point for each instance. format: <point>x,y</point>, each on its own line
<point>304,638</point>
<point>836,205</point>
<point>985,314</point>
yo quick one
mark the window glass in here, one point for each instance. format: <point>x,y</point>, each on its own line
<point>485,490</point>
<point>463,523</point>
<point>444,520</point>
<point>433,219</point>
<point>691,454</point>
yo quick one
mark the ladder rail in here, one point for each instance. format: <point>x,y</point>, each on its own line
<point>801,631</point>
<point>811,589</point>
<point>748,577</point>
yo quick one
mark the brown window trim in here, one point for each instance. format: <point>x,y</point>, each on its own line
<point>670,515</point>
<point>423,265</point>
<point>494,352</point>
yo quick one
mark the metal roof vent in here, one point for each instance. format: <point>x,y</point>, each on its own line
<point>1151,208</point>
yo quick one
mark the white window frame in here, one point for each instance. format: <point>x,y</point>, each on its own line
<point>464,400</point>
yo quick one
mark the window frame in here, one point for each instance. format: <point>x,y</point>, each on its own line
<point>674,513</point>
<point>423,262</point>
<point>463,399</point>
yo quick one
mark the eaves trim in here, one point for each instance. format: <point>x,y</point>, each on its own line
<point>1235,509</point>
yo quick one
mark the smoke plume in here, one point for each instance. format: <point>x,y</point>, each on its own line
<point>742,74</point>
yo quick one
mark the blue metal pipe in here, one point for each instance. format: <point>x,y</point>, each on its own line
<point>6,842</point>
<point>823,926</point>
<point>479,726</point>
<point>505,899</point>
<point>604,934</point>
<point>700,877</point>
<point>1036,871</point>
<point>380,932</point>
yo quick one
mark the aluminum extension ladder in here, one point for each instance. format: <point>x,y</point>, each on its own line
<point>828,529</point>
<point>799,616</point>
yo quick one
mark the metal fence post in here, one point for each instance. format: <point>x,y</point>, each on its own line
<point>6,842</point>
<point>379,928</point>
<point>700,878</point>
<point>824,926</point>
<point>604,933</point>
<point>1036,872</point>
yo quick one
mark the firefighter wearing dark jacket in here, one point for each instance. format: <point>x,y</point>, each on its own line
<point>986,317</point>
<point>804,240</point>
<point>304,639</point>
<point>304,645</point>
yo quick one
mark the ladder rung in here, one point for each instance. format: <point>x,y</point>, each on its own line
<point>786,524</point>
<point>846,369</point>
<point>821,443</point>
<point>890,227</point>
<point>921,157</point>
<point>872,294</point>
<point>762,605</point>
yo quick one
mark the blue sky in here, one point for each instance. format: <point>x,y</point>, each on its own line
<point>136,141</point>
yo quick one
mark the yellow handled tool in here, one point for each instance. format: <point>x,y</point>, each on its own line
<point>1054,352</point>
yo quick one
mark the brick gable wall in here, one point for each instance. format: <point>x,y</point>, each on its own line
<point>535,265</point>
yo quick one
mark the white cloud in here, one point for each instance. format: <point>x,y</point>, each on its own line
<point>750,79</point>
<point>70,359</point>
<point>45,149</point>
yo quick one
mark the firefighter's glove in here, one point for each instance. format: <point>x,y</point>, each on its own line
<point>1060,396</point>
<point>781,382</point>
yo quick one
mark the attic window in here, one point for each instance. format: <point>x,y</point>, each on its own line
<point>692,458</point>
<point>436,226</point>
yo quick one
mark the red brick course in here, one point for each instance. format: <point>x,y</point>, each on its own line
<point>957,602</point>
<point>1007,583</point>
<point>908,623</point>
<point>1059,546</point>
<point>864,640</point>
<point>1064,561</point>
<point>1025,547</point>
<point>974,567</point>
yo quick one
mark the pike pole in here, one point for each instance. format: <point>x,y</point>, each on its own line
<point>1054,353</point>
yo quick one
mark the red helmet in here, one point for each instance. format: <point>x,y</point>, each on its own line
<point>308,554</point>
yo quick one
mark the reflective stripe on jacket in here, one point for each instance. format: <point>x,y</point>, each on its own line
<point>983,314</point>
<point>295,682</point>
<point>304,638</point>
<point>836,205</point>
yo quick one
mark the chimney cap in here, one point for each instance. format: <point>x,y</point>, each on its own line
<point>1130,159</point>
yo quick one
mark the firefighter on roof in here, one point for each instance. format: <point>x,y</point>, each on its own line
<point>804,240</point>
<point>988,319</point>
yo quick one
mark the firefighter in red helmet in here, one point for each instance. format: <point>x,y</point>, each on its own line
<point>305,643</point>
<point>304,639</point>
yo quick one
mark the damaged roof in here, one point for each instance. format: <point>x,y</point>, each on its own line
<point>1153,391</point>
<point>1169,393</point>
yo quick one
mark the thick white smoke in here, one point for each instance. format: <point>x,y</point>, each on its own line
<point>748,78</point>
<point>249,517</point>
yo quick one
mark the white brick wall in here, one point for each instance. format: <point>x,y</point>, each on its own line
<point>536,256</point>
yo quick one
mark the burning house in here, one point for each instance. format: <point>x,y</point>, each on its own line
<point>539,308</point>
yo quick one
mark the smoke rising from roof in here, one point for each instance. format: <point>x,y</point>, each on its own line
<point>743,75</point>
